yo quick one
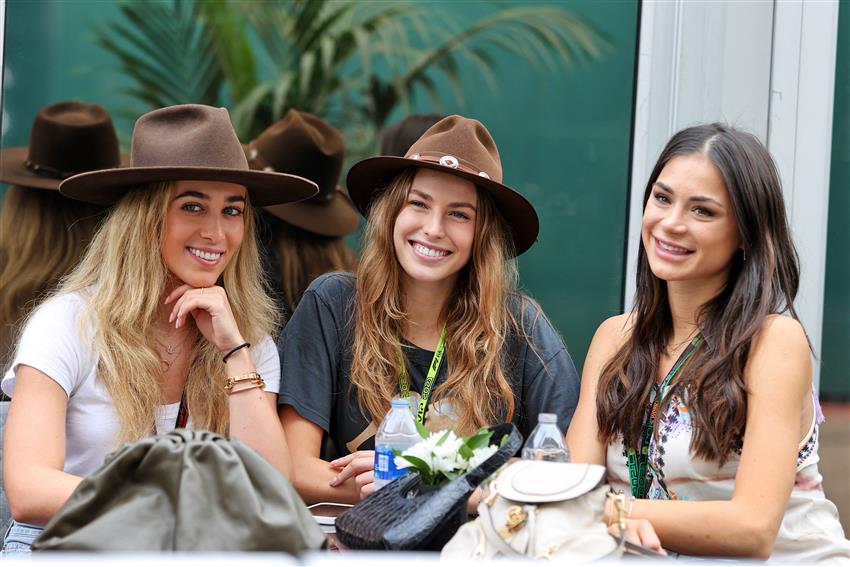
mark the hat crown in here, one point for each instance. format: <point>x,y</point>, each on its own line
<point>463,138</point>
<point>187,135</point>
<point>71,136</point>
<point>301,144</point>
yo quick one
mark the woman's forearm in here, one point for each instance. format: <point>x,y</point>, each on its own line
<point>254,421</point>
<point>713,528</point>
<point>36,496</point>
<point>312,480</point>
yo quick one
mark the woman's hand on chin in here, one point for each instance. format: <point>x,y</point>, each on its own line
<point>210,309</point>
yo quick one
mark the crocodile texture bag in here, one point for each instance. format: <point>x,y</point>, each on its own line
<point>540,510</point>
<point>406,515</point>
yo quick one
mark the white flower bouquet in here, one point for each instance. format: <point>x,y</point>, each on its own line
<point>443,456</point>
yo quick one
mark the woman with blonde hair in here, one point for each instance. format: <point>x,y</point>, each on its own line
<point>165,323</point>
<point>43,234</point>
<point>433,309</point>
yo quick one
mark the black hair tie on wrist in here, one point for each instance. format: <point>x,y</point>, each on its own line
<point>234,349</point>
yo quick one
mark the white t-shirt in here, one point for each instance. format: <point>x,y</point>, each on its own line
<point>55,343</point>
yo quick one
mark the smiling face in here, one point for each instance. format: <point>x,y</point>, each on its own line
<point>203,230</point>
<point>435,228</point>
<point>689,230</point>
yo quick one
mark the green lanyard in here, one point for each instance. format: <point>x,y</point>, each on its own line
<point>638,463</point>
<point>404,387</point>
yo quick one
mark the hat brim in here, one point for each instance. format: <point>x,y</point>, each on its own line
<point>368,178</point>
<point>107,186</point>
<point>335,218</point>
<point>13,170</point>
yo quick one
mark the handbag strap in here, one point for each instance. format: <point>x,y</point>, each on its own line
<point>503,547</point>
<point>511,445</point>
<point>492,534</point>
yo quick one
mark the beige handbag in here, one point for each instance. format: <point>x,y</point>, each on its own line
<point>540,510</point>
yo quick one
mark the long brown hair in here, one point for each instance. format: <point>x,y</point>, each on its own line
<point>764,283</point>
<point>296,257</point>
<point>124,276</point>
<point>478,325</point>
<point>43,235</point>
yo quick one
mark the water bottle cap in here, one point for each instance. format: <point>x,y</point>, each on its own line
<point>400,403</point>
<point>547,418</point>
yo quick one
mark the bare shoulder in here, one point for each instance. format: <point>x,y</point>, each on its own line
<point>781,335</point>
<point>780,350</point>
<point>609,337</point>
<point>615,330</point>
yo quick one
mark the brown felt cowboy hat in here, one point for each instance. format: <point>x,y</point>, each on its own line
<point>458,146</point>
<point>66,138</point>
<point>303,144</point>
<point>186,142</point>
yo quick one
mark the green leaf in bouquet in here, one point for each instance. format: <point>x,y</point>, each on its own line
<point>451,475</point>
<point>480,439</point>
<point>465,451</point>
<point>504,439</point>
<point>421,466</point>
<point>424,433</point>
<point>444,437</point>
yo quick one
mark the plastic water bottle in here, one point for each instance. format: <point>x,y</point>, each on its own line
<point>546,442</point>
<point>397,431</point>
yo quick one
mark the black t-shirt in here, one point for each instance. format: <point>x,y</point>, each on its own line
<point>316,354</point>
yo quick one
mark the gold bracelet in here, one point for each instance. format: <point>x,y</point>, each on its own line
<point>248,386</point>
<point>250,377</point>
<point>619,502</point>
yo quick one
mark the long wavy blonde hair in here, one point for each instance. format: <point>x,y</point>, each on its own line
<point>124,277</point>
<point>478,324</point>
<point>43,235</point>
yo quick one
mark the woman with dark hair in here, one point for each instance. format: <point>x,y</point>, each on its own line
<point>699,402</point>
<point>304,240</point>
<point>43,234</point>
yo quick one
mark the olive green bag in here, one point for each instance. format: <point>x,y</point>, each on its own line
<point>185,491</point>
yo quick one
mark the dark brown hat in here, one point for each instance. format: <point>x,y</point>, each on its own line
<point>303,144</point>
<point>186,142</point>
<point>458,146</point>
<point>66,138</point>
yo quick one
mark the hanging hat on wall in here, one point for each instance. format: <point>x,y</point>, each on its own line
<point>303,144</point>
<point>457,146</point>
<point>66,138</point>
<point>186,142</point>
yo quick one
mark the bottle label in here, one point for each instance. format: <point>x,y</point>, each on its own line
<point>385,469</point>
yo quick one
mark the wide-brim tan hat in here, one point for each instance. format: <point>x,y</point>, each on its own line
<point>458,146</point>
<point>187,142</point>
<point>66,138</point>
<point>303,144</point>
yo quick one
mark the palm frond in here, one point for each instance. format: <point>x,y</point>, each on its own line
<point>166,51</point>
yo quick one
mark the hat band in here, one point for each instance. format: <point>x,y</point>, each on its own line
<point>257,161</point>
<point>47,171</point>
<point>450,162</point>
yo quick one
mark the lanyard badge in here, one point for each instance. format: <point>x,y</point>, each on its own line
<point>404,386</point>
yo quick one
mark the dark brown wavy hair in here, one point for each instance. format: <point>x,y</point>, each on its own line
<point>295,257</point>
<point>763,280</point>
